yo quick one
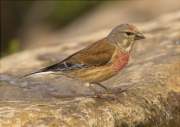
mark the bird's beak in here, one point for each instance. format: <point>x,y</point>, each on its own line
<point>139,36</point>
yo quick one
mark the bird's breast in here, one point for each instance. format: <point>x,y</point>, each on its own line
<point>120,62</point>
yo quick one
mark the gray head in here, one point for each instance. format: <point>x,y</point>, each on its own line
<point>124,36</point>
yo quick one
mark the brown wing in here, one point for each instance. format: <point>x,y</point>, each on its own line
<point>96,54</point>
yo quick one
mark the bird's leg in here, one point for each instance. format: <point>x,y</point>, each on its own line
<point>99,95</point>
<point>108,90</point>
<point>96,92</point>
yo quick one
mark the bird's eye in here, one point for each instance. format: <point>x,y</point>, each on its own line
<point>128,33</point>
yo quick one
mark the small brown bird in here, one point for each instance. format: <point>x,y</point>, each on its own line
<point>99,61</point>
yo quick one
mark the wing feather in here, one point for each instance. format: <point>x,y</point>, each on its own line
<point>96,54</point>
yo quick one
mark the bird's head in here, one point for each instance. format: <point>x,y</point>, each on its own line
<point>124,36</point>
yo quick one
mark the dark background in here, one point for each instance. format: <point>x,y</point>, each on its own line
<point>18,15</point>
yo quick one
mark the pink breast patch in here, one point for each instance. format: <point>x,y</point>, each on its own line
<point>121,62</point>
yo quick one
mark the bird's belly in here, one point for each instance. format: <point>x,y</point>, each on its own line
<point>94,74</point>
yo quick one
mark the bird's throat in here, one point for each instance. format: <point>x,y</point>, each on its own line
<point>125,47</point>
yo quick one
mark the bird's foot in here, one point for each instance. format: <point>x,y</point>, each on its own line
<point>120,91</point>
<point>114,91</point>
<point>98,95</point>
<point>108,91</point>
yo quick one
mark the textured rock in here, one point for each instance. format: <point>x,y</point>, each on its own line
<point>151,81</point>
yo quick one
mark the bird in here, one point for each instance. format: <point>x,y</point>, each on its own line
<point>99,61</point>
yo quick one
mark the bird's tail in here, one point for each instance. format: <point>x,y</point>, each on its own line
<point>37,73</point>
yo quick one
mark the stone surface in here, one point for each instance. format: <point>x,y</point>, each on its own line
<point>151,81</point>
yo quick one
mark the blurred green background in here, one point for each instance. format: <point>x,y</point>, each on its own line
<point>56,14</point>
